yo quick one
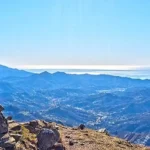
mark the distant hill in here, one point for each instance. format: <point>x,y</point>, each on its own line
<point>86,82</point>
<point>10,72</point>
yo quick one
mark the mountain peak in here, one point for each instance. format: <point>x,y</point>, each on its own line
<point>12,72</point>
<point>45,74</point>
<point>59,73</point>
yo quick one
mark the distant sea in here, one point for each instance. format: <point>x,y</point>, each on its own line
<point>137,74</point>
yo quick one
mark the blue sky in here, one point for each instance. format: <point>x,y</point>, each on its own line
<point>75,32</point>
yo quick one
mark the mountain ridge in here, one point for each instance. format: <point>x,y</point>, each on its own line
<point>12,72</point>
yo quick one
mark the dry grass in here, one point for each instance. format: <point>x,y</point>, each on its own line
<point>92,140</point>
<point>82,140</point>
<point>26,135</point>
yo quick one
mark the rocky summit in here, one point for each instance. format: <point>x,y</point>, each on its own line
<point>6,141</point>
<point>42,135</point>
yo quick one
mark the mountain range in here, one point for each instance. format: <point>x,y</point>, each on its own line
<point>119,104</point>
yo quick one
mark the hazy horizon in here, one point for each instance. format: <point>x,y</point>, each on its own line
<point>82,67</point>
<point>135,72</point>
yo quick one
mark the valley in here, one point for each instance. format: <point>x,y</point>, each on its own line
<point>119,104</point>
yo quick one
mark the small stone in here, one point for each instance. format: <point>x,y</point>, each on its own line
<point>103,130</point>
<point>86,134</point>
<point>81,126</point>
<point>74,128</point>
<point>67,136</point>
<point>71,143</point>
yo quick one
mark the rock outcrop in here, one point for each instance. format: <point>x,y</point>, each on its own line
<point>6,142</point>
<point>3,123</point>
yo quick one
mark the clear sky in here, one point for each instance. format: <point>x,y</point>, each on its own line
<point>75,32</point>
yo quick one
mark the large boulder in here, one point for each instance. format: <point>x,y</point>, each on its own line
<point>3,124</point>
<point>46,139</point>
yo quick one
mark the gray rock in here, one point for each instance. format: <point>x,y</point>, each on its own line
<point>1,108</point>
<point>4,137</point>
<point>34,123</point>
<point>3,124</point>
<point>46,139</point>
<point>71,143</point>
<point>57,134</point>
<point>58,146</point>
<point>14,126</point>
<point>81,126</point>
<point>7,142</point>
<point>103,130</point>
<point>9,118</point>
<point>10,144</point>
<point>17,137</point>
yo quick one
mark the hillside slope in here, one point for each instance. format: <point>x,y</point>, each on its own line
<point>52,136</point>
<point>12,72</point>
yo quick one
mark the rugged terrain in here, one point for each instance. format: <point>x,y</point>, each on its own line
<point>30,136</point>
<point>119,104</point>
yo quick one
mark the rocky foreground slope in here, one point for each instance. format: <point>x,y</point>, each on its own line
<point>43,135</point>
